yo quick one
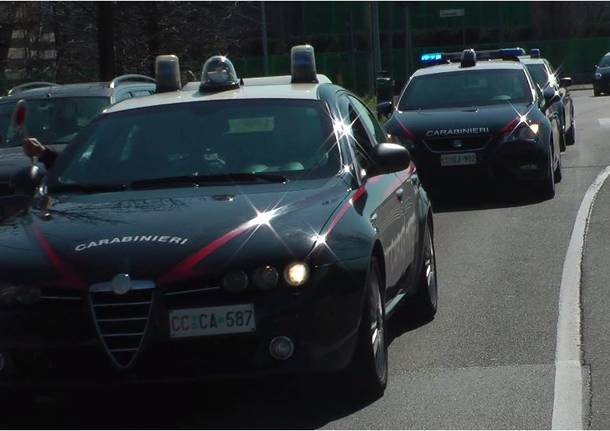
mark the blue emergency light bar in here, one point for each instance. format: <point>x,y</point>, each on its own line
<point>430,59</point>
<point>534,53</point>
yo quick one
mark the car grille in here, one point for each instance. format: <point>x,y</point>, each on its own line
<point>457,143</point>
<point>122,322</point>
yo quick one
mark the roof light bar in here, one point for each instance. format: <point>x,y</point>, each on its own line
<point>534,53</point>
<point>429,59</point>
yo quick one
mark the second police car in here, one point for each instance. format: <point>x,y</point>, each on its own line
<point>237,227</point>
<point>462,116</point>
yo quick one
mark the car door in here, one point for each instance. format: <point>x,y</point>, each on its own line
<point>395,218</point>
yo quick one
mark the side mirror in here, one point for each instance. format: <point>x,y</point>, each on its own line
<point>385,108</point>
<point>387,158</point>
<point>26,181</point>
<point>550,96</point>
<point>565,82</point>
<point>595,67</point>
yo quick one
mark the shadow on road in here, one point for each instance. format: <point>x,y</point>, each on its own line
<point>480,196</point>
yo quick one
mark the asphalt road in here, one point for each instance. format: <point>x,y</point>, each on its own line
<point>485,361</point>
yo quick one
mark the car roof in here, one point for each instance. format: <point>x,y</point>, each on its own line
<point>275,87</point>
<point>91,89</point>
<point>480,65</point>
<point>529,60</point>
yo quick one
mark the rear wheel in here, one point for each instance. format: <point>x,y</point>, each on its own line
<point>370,365</point>
<point>562,142</point>
<point>424,302</point>
<point>596,92</point>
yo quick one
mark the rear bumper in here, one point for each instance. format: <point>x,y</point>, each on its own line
<point>57,344</point>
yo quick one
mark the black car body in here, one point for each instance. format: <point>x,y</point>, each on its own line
<point>55,113</point>
<point>482,118</point>
<point>542,73</point>
<point>601,76</point>
<point>309,187</point>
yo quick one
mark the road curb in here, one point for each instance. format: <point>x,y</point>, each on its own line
<point>569,391</point>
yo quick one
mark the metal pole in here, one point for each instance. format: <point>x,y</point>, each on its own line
<point>376,39</point>
<point>264,38</point>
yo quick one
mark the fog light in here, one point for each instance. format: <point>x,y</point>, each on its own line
<point>265,278</point>
<point>281,348</point>
<point>235,282</point>
<point>296,274</point>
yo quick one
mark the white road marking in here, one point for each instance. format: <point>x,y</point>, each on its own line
<point>568,396</point>
<point>604,122</point>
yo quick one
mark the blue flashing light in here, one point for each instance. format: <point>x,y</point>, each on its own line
<point>435,56</point>
<point>516,52</point>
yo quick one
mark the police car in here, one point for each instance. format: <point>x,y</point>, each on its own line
<point>461,116</point>
<point>253,226</point>
<point>55,113</point>
<point>542,72</point>
<point>601,76</point>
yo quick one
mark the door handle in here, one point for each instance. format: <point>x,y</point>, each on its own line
<point>399,193</point>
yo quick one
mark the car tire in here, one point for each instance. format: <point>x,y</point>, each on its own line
<point>369,368</point>
<point>596,92</point>
<point>425,300</point>
<point>557,174</point>
<point>547,185</point>
<point>562,142</point>
<point>571,135</point>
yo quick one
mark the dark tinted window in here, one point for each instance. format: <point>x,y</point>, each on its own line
<point>605,61</point>
<point>291,137</point>
<point>539,73</point>
<point>466,88</point>
<point>53,120</point>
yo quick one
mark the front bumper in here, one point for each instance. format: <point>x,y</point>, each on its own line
<point>602,85</point>
<point>57,342</point>
<point>517,160</point>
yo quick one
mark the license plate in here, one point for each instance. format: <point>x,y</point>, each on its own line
<point>458,159</point>
<point>228,319</point>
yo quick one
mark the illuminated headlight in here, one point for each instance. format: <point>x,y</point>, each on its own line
<point>265,278</point>
<point>235,282</point>
<point>598,75</point>
<point>525,132</point>
<point>296,274</point>
<point>13,294</point>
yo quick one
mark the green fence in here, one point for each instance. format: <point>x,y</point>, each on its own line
<point>573,57</point>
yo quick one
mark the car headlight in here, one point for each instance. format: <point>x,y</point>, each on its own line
<point>598,75</point>
<point>265,277</point>
<point>11,294</point>
<point>524,132</point>
<point>296,274</point>
<point>235,281</point>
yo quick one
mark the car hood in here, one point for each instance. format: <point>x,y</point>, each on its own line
<point>12,160</point>
<point>166,235</point>
<point>439,123</point>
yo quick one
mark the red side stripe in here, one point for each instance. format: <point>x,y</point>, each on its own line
<point>69,278</point>
<point>184,269</point>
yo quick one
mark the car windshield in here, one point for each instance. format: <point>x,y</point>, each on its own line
<point>52,121</point>
<point>539,73</point>
<point>605,61</point>
<point>223,140</point>
<point>465,89</point>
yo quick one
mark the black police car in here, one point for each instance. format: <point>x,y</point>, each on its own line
<point>601,76</point>
<point>483,117</point>
<point>234,229</point>
<point>55,113</point>
<point>542,73</point>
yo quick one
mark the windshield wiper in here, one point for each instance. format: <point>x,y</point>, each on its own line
<point>87,188</point>
<point>199,179</point>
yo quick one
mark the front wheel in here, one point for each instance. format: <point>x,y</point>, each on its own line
<point>370,365</point>
<point>547,185</point>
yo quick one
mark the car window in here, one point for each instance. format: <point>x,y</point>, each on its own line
<point>291,137</point>
<point>466,88</point>
<point>605,61</point>
<point>369,120</point>
<point>140,93</point>
<point>539,73</point>
<point>52,121</point>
